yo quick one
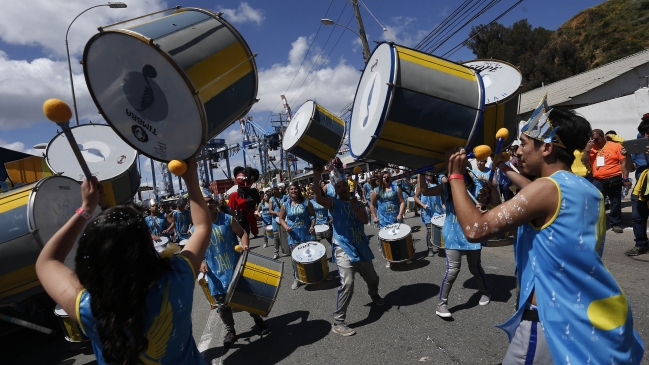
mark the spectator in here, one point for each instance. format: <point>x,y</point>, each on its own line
<point>639,209</point>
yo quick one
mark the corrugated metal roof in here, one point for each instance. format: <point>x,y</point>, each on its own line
<point>562,91</point>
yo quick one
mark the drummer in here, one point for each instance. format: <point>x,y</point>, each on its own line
<point>182,220</point>
<point>263,212</point>
<point>456,245</point>
<point>157,222</point>
<point>387,204</point>
<point>352,250</point>
<point>274,206</point>
<point>431,206</point>
<point>219,263</point>
<point>298,219</point>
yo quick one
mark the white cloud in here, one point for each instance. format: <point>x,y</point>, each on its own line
<point>400,32</point>
<point>243,14</point>
<point>20,147</point>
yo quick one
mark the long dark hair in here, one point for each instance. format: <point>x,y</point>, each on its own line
<point>299,191</point>
<point>116,263</point>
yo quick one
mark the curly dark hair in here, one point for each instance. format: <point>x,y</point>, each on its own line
<point>116,263</point>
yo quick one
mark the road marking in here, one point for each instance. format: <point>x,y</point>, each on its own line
<point>206,338</point>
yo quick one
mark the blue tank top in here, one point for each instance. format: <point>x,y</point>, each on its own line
<point>434,206</point>
<point>168,320</point>
<point>265,216</point>
<point>297,217</point>
<point>349,232</point>
<point>220,255</point>
<point>584,312</point>
<point>321,213</point>
<point>388,203</point>
<point>368,191</point>
<point>454,238</point>
<point>157,224</point>
<point>182,221</point>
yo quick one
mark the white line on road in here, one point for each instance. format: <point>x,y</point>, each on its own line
<point>206,338</point>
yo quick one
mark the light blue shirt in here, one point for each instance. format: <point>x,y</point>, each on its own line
<point>349,232</point>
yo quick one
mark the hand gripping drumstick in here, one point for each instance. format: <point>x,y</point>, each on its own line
<point>501,135</point>
<point>480,152</point>
<point>59,112</point>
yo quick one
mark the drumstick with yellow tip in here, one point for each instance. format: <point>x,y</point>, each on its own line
<point>238,248</point>
<point>501,135</point>
<point>59,112</point>
<point>177,167</point>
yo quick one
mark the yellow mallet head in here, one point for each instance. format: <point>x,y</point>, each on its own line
<point>177,167</point>
<point>482,152</point>
<point>357,170</point>
<point>57,110</point>
<point>502,133</point>
<point>238,248</point>
<point>505,157</point>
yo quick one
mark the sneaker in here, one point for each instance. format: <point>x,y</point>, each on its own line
<point>265,244</point>
<point>637,251</point>
<point>485,299</point>
<point>296,284</point>
<point>229,338</point>
<point>342,329</point>
<point>275,256</point>
<point>388,264</point>
<point>431,253</point>
<point>617,229</point>
<point>378,300</point>
<point>262,329</point>
<point>442,311</point>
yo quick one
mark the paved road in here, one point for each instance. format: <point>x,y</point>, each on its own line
<point>404,331</point>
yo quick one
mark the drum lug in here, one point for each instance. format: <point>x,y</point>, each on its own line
<point>219,14</point>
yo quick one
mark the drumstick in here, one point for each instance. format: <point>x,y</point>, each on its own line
<point>59,112</point>
<point>26,324</point>
<point>502,135</point>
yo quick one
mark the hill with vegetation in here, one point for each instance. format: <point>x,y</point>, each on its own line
<point>592,38</point>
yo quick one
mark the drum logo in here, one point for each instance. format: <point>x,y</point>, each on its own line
<point>144,94</point>
<point>140,133</point>
<point>376,63</point>
<point>122,158</point>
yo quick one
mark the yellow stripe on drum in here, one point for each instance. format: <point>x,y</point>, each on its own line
<point>317,152</point>
<point>14,199</point>
<point>19,280</point>
<point>262,274</point>
<point>328,151</point>
<point>301,271</point>
<point>328,113</point>
<point>435,63</point>
<point>493,120</point>
<point>109,195</point>
<point>247,309</point>
<point>406,136</point>
<point>217,65</point>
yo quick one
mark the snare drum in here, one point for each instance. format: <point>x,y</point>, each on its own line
<point>165,248</point>
<point>270,234</point>
<point>283,239</point>
<point>70,328</point>
<point>255,283</point>
<point>110,160</point>
<point>411,203</point>
<point>411,107</point>
<point>502,87</point>
<point>437,225</point>
<point>29,217</point>
<point>314,134</point>
<point>322,231</point>
<point>310,262</point>
<point>168,85</point>
<point>396,242</point>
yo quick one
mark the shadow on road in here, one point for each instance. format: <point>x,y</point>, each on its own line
<point>286,335</point>
<point>500,286</point>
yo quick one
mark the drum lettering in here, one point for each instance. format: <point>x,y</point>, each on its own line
<point>141,122</point>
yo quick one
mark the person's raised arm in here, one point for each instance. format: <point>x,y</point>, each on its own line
<point>517,179</point>
<point>317,192</point>
<point>197,244</point>
<point>58,280</point>
<point>585,158</point>
<point>423,188</point>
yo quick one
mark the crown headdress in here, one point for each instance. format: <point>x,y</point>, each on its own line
<point>540,127</point>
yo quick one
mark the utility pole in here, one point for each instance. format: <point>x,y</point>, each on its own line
<point>361,31</point>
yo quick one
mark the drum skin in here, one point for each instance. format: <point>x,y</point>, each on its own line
<point>310,269</point>
<point>314,134</point>
<point>437,225</point>
<point>29,217</point>
<point>255,284</point>
<point>270,234</point>
<point>399,248</point>
<point>169,85</point>
<point>322,231</point>
<point>411,107</point>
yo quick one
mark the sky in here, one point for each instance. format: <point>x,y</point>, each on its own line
<point>297,55</point>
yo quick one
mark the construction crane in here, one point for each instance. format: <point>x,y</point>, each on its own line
<point>255,137</point>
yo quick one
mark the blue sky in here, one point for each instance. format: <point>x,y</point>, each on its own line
<point>33,64</point>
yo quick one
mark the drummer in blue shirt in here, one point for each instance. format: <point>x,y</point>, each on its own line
<point>157,222</point>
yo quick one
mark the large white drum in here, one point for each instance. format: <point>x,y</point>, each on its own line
<point>502,87</point>
<point>29,217</point>
<point>168,85</point>
<point>109,158</point>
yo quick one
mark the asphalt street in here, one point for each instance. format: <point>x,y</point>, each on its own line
<point>404,331</point>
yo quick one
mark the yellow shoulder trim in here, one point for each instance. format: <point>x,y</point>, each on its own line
<point>190,265</point>
<point>78,311</point>
<point>556,212</point>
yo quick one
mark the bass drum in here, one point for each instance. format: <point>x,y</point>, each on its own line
<point>411,107</point>
<point>29,217</point>
<point>110,160</point>
<point>502,87</point>
<point>314,134</point>
<point>168,85</point>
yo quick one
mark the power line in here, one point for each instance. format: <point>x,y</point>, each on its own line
<point>469,11</point>
<point>424,42</point>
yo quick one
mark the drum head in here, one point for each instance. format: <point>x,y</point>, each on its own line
<point>269,227</point>
<point>372,100</point>
<point>298,125</point>
<point>438,220</point>
<point>321,228</point>
<point>143,96</point>
<point>309,252</point>
<point>107,155</point>
<point>501,80</point>
<point>394,232</point>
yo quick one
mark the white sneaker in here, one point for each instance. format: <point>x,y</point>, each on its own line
<point>388,264</point>
<point>442,311</point>
<point>485,299</point>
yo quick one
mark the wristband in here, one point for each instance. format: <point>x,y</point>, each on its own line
<point>626,179</point>
<point>83,213</point>
<point>455,176</point>
<point>504,168</point>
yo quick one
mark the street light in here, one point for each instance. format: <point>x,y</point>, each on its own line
<point>114,5</point>
<point>366,48</point>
